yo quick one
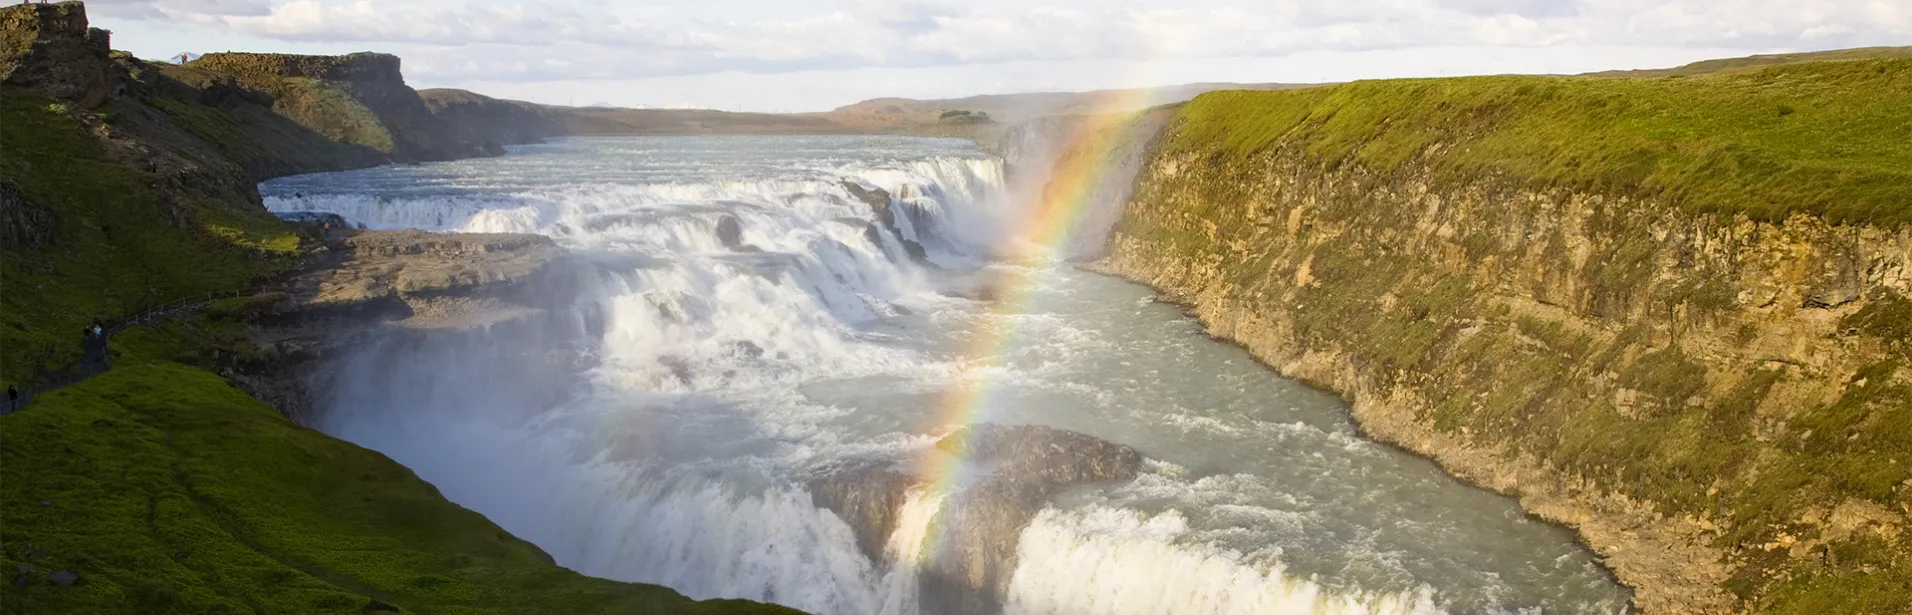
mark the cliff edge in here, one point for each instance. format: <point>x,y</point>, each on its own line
<point>359,98</point>
<point>1671,313</point>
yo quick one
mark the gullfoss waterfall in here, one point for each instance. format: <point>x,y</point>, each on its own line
<point>764,384</point>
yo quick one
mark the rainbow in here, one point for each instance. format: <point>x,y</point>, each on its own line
<point>1080,167</point>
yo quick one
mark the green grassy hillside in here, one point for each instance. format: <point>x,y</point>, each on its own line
<point>1826,138</point>
<point>169,491</point>
<point>114,243</point>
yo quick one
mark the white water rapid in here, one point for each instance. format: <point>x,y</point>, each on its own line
<point>745,320</point>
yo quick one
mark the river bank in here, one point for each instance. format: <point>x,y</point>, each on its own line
<point>1663,380</point>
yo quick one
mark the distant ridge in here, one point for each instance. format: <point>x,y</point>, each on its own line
<point>1014,108</point>
<point>1724,64</point>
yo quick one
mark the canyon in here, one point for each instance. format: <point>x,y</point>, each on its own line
<point>1692,350</point>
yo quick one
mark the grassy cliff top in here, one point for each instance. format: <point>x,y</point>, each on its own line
<point>1703,67</point>
<point>1823,138</point>
<point>169,491</point>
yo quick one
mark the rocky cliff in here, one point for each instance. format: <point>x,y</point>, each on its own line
<point>51,49</point>
<point>1716,391</point>
<point>359,98</point>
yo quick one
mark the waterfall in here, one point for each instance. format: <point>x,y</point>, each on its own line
<point>746,320</point>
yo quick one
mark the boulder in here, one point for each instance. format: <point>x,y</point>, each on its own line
<point>983,523</point>
<point>730,232</point>
<point>880,204</point>
<point>866,494</point>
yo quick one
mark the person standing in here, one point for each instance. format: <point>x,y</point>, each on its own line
<point>13,399</point>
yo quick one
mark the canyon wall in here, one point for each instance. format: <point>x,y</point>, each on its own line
<point>358,98</point>
<point>1721,406</point>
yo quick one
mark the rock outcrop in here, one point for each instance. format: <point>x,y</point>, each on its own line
<point>431,279</point>
<point>868,495</point>
<point>49,49</point>
<point>24,224</point>
<point>884,207</point>
<point>978,529</point>
<point>397,287</point>
<point>359,98</point>
<point>982,523</point>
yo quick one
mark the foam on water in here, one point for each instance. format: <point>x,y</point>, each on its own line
<point>663,428</point>
<point>1083,562</point>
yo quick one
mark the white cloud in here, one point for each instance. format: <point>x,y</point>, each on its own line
<point>452,41</point>
<point>214,8</point>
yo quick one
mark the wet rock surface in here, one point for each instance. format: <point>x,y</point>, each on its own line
<point>730,232</point>
<point>867,495</point>
<point>432,278</point>
<point>399,288</point>
<point>980,525</point>
<point>881,204</point>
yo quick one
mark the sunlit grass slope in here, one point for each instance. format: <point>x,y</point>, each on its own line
<point>172,492</point>
<point>115,244</point>
<point>1826,138</point>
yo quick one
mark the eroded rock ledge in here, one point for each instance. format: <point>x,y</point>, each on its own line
<point>409,282</point>
<point>418,279</point>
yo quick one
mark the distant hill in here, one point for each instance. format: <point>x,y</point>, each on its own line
<point>1014,108</point>
<point>1713,66</point>
<point>617,121</point>
<point>493,123</point>
<point>982,116</point>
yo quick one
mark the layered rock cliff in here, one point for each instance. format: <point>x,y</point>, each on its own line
<point>1718,399</point>
<point>359,98</point>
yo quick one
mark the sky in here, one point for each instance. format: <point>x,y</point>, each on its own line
<point>795,55</point>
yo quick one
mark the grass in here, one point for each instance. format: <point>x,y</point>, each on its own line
<point>119,246</point>
<point>1824,138</point>
<point>171,492</point>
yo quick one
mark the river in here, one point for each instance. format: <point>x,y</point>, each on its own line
<point>746,322</point>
